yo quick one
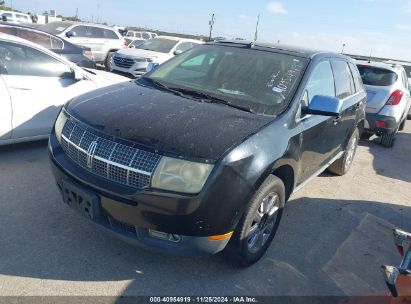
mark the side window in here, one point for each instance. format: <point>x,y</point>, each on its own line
<point>321,82</point>
<point>81,31</point>
<point>56,44</point>
<point>357,77</point>
<point>343,79</point>
<point>137,35</point>
<point>184,46</point>
<point>25,61</point>
<point>109,34</point>
<point>96,32</point>
<point>146,36</point>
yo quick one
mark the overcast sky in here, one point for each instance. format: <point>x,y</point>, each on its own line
<point>381,25</point>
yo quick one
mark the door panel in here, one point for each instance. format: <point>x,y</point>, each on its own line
<point>5,112</point>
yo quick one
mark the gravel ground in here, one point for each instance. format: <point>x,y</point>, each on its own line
<point>332,240</point>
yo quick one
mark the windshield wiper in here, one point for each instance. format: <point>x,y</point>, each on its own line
<point>213,99</point>
<point>164,87</point>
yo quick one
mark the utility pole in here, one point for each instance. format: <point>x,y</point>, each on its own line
<point>211,23</point>
<point>77,13</point>
<point>343,46</point>
<point>98,12</point>
<point>256,28</point>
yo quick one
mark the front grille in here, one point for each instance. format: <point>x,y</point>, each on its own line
<point>113,161</point>
<point>121,62</point>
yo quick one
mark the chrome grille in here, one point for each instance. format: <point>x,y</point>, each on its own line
<point>114,161</point>
<point>123,62</point>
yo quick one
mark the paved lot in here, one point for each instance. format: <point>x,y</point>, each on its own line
<point>335,235</point>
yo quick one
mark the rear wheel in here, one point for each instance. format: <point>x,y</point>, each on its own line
<point>402,125</point>
<point>342,165</point>
<point>259,223</point>
<point>387,140</point>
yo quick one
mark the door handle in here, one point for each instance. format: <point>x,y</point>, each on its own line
<point>337,120</point>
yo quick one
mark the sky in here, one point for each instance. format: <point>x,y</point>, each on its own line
<point>380,26</point>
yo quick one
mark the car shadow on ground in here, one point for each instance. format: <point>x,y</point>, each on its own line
<point>323,246</point>
<point>386,161</point>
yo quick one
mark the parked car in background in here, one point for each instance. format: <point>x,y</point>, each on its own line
<point>202,152</point>
<point>407,67</point>
<point>102,40</point>
<point>34,84</point>
<point>15,17</point>
<point>80,55</point>
<point>134,61</point>
<point>133,35</point>
<point>388,99</point>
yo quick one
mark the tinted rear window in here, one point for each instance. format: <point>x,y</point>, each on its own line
<point>377,76</point>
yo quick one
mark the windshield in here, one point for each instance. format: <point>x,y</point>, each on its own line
<point>55,28</point>
<point>161,45</point>
<point>263,81</point>
<point>377,76</point>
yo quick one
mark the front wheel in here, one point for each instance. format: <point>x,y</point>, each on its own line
<point>108,63</point>
<point>342,165</point>
<point>259,223</point>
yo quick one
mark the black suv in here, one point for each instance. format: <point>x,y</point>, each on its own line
<point>204,151</point>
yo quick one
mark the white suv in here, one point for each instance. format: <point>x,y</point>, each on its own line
<point>388,99</point>
<point>134,61</point>
<point>134,35</point>
<point>102,40</point>
<point>14,17</point>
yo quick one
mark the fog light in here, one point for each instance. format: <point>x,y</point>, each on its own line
<point>175,238</point>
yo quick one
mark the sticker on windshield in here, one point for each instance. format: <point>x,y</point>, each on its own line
<point>283,80</point>
<point>60,29</point>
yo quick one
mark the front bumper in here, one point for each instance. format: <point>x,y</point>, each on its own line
<point>136,70</point>
<point>373,118</point>
<point>168,222</point>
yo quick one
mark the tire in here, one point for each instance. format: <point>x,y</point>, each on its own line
<point>342,165</point>
<point>107,63</point>
<point>268,199</point>
<point>402,125</point>
<point>387,140</point>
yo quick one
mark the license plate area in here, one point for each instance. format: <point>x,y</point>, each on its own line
<point>81,199</point>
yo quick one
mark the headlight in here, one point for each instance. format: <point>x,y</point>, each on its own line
<point>180,175</point>
<point>143,60</point>
<point>59,125</point>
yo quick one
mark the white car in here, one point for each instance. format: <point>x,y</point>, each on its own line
<point>101,39</point>
<point>407,67</point>
<point>34,84</point>
<point>133,35</point>
<point>388,99</point>
<point>14,17</point>
<point>134,61</point>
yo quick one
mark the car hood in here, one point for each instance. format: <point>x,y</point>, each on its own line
<point>139,53</point>
<point>103,79</point>
<point>166,122</point>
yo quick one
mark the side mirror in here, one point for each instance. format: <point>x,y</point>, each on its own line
<point>324,105</point>
<point>151,66</point>
<point>178,52</point>
<point>4,18</point>
<point>132,46</point>
<point>77,75</point>
<point>70,34</point>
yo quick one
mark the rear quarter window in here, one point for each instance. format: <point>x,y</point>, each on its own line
<point>377,76</point>
<point>109,34</point>
<point>357,78</point>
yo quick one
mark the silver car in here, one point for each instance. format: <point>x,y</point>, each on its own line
<point>101,39</point>
<point>388,99</point>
